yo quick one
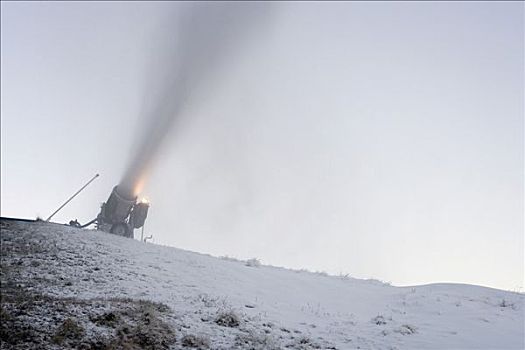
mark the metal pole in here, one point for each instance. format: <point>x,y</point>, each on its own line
<point>73,196</point>
<point>142,234</point>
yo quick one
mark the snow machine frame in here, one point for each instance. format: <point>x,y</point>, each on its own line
<point>121,214</point>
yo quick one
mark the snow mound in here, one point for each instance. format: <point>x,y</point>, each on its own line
<point>67,287</point>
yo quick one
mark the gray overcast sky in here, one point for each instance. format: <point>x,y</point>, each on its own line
<point>378,139</point>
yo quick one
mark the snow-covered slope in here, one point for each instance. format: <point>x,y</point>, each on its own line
<point>274,307</point>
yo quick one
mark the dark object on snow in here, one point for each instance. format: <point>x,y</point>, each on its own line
<point>227,319</point>
<point>192,341</point>
<point>68,330</point>
<point>121,213</point>
<point>109,319</point>
<point>74,223</point>
<point>77,224</point>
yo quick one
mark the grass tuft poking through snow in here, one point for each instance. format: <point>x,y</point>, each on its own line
<point>228,319</point>
<point>254,262</point>
<point>69,331</point>
<point>196,342</point>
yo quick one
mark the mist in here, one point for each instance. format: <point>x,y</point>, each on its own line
<point>191,45</point>
<point>381,140</point>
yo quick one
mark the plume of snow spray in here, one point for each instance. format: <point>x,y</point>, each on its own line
<point>204,38</point>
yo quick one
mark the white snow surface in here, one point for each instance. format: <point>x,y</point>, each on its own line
<point>291,307</point>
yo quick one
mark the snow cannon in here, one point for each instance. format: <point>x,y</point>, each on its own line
<point>121,213</point>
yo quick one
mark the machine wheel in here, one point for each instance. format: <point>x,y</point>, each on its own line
<point>120,229</point>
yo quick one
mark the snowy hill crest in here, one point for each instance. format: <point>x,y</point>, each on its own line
<point>65,287</point>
